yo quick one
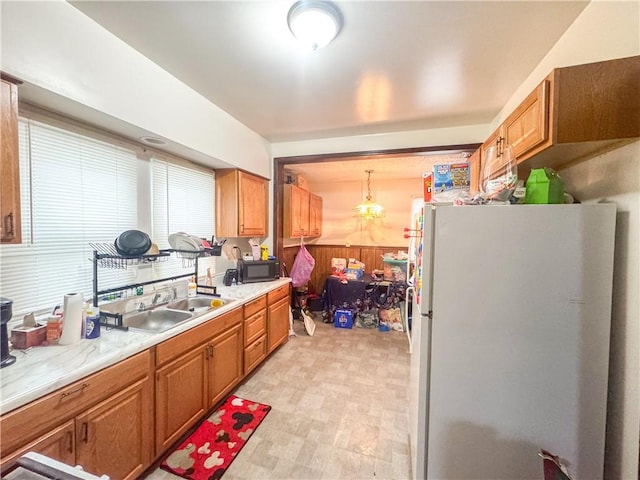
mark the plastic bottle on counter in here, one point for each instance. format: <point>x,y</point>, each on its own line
<point>192,287</point>
<point>92,328</point>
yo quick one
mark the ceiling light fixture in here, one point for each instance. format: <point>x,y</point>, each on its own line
<point>369,209</point>
<point>155,141</point>
<point>314,23</point>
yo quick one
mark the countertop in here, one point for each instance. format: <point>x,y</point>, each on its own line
<point>42,370</point>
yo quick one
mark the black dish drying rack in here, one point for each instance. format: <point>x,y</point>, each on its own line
<point>106,256</point>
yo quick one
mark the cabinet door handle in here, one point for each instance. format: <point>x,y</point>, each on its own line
<point>70,441</point>
<point>8,226</point>
<point>206,352</point>
<point>79,389</point>
<point>85,432</point>
<point>210,351</point>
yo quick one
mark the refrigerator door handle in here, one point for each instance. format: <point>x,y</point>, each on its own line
<point>406,314</point>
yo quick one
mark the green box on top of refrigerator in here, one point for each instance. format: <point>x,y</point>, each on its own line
<point>544,186</point>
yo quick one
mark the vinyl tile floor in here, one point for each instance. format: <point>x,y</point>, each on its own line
<point>339,409</point>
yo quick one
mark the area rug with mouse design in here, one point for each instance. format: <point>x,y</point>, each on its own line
<point>209,450</point>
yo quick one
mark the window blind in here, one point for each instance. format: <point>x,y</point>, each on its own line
<point>74,190</point>
<point>182,201</point>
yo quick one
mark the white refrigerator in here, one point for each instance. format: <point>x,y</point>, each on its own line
<point>510,341</point>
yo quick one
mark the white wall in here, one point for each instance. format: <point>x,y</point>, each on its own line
<point>606,30</point>
<point>384,141</point>
<point>615,177</point>
<point>54,46</point>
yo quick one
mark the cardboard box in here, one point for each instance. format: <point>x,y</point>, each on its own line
<point>25,337</point>
<point>354,273</point>
<point>544,186</point>
<point>343,319</point>
<point>339,264</point>
<point>395,270</point>
<point>453,176</point>
<point>427,179</point>
<point>355,269</point>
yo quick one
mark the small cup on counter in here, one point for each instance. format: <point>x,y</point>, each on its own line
<point>54,329</point>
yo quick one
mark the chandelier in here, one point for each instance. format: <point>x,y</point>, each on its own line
<point>369,209</point>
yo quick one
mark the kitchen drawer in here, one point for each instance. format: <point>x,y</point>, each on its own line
<point>255,326</point>
<point>29,421</point>
<point>255,353</point>
<point>275,295</point>
<point>184,342</point>
<point>255,306</point>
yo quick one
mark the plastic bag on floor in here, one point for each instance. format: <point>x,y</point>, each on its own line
<point>367,319</point>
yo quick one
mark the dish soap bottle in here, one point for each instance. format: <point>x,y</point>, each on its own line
<point>192,288</point>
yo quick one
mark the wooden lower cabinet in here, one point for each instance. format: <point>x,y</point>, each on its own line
<point>225,363</point>
<point>175,411</point>
<point>115,436</point>
<point>277,323</point>
<point>255,333</point>
<point>107,423</point>
<point>103,422</point>
<point>191,379</point>
<point>255,353</point>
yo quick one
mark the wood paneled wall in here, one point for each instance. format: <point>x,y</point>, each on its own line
<point>370,256</point>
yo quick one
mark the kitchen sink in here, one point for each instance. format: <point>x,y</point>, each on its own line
<point>155,320</point>
<point>199,304</point>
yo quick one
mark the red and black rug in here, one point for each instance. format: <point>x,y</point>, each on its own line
<point>208,452</point>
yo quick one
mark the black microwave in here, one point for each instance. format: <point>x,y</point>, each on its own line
<point>258,270</point>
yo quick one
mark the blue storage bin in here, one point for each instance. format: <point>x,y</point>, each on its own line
<point>343,318</point>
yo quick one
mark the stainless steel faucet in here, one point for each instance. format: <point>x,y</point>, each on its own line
<point>155,299</point>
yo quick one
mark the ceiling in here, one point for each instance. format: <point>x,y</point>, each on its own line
<point>395,65</point>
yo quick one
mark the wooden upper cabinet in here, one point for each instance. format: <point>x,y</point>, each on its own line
<point>528,125</point>
<point>241,204</point>
<point>10,226</point>
<point>296,212</point>
<point>526,128</point>
<point>315,215</point>
<point>575,113</point>
<point>474,172</point>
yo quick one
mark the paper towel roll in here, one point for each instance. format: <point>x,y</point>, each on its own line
<point>72,319</point>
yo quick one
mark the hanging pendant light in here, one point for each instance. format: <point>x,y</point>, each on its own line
<point>369,209</point>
